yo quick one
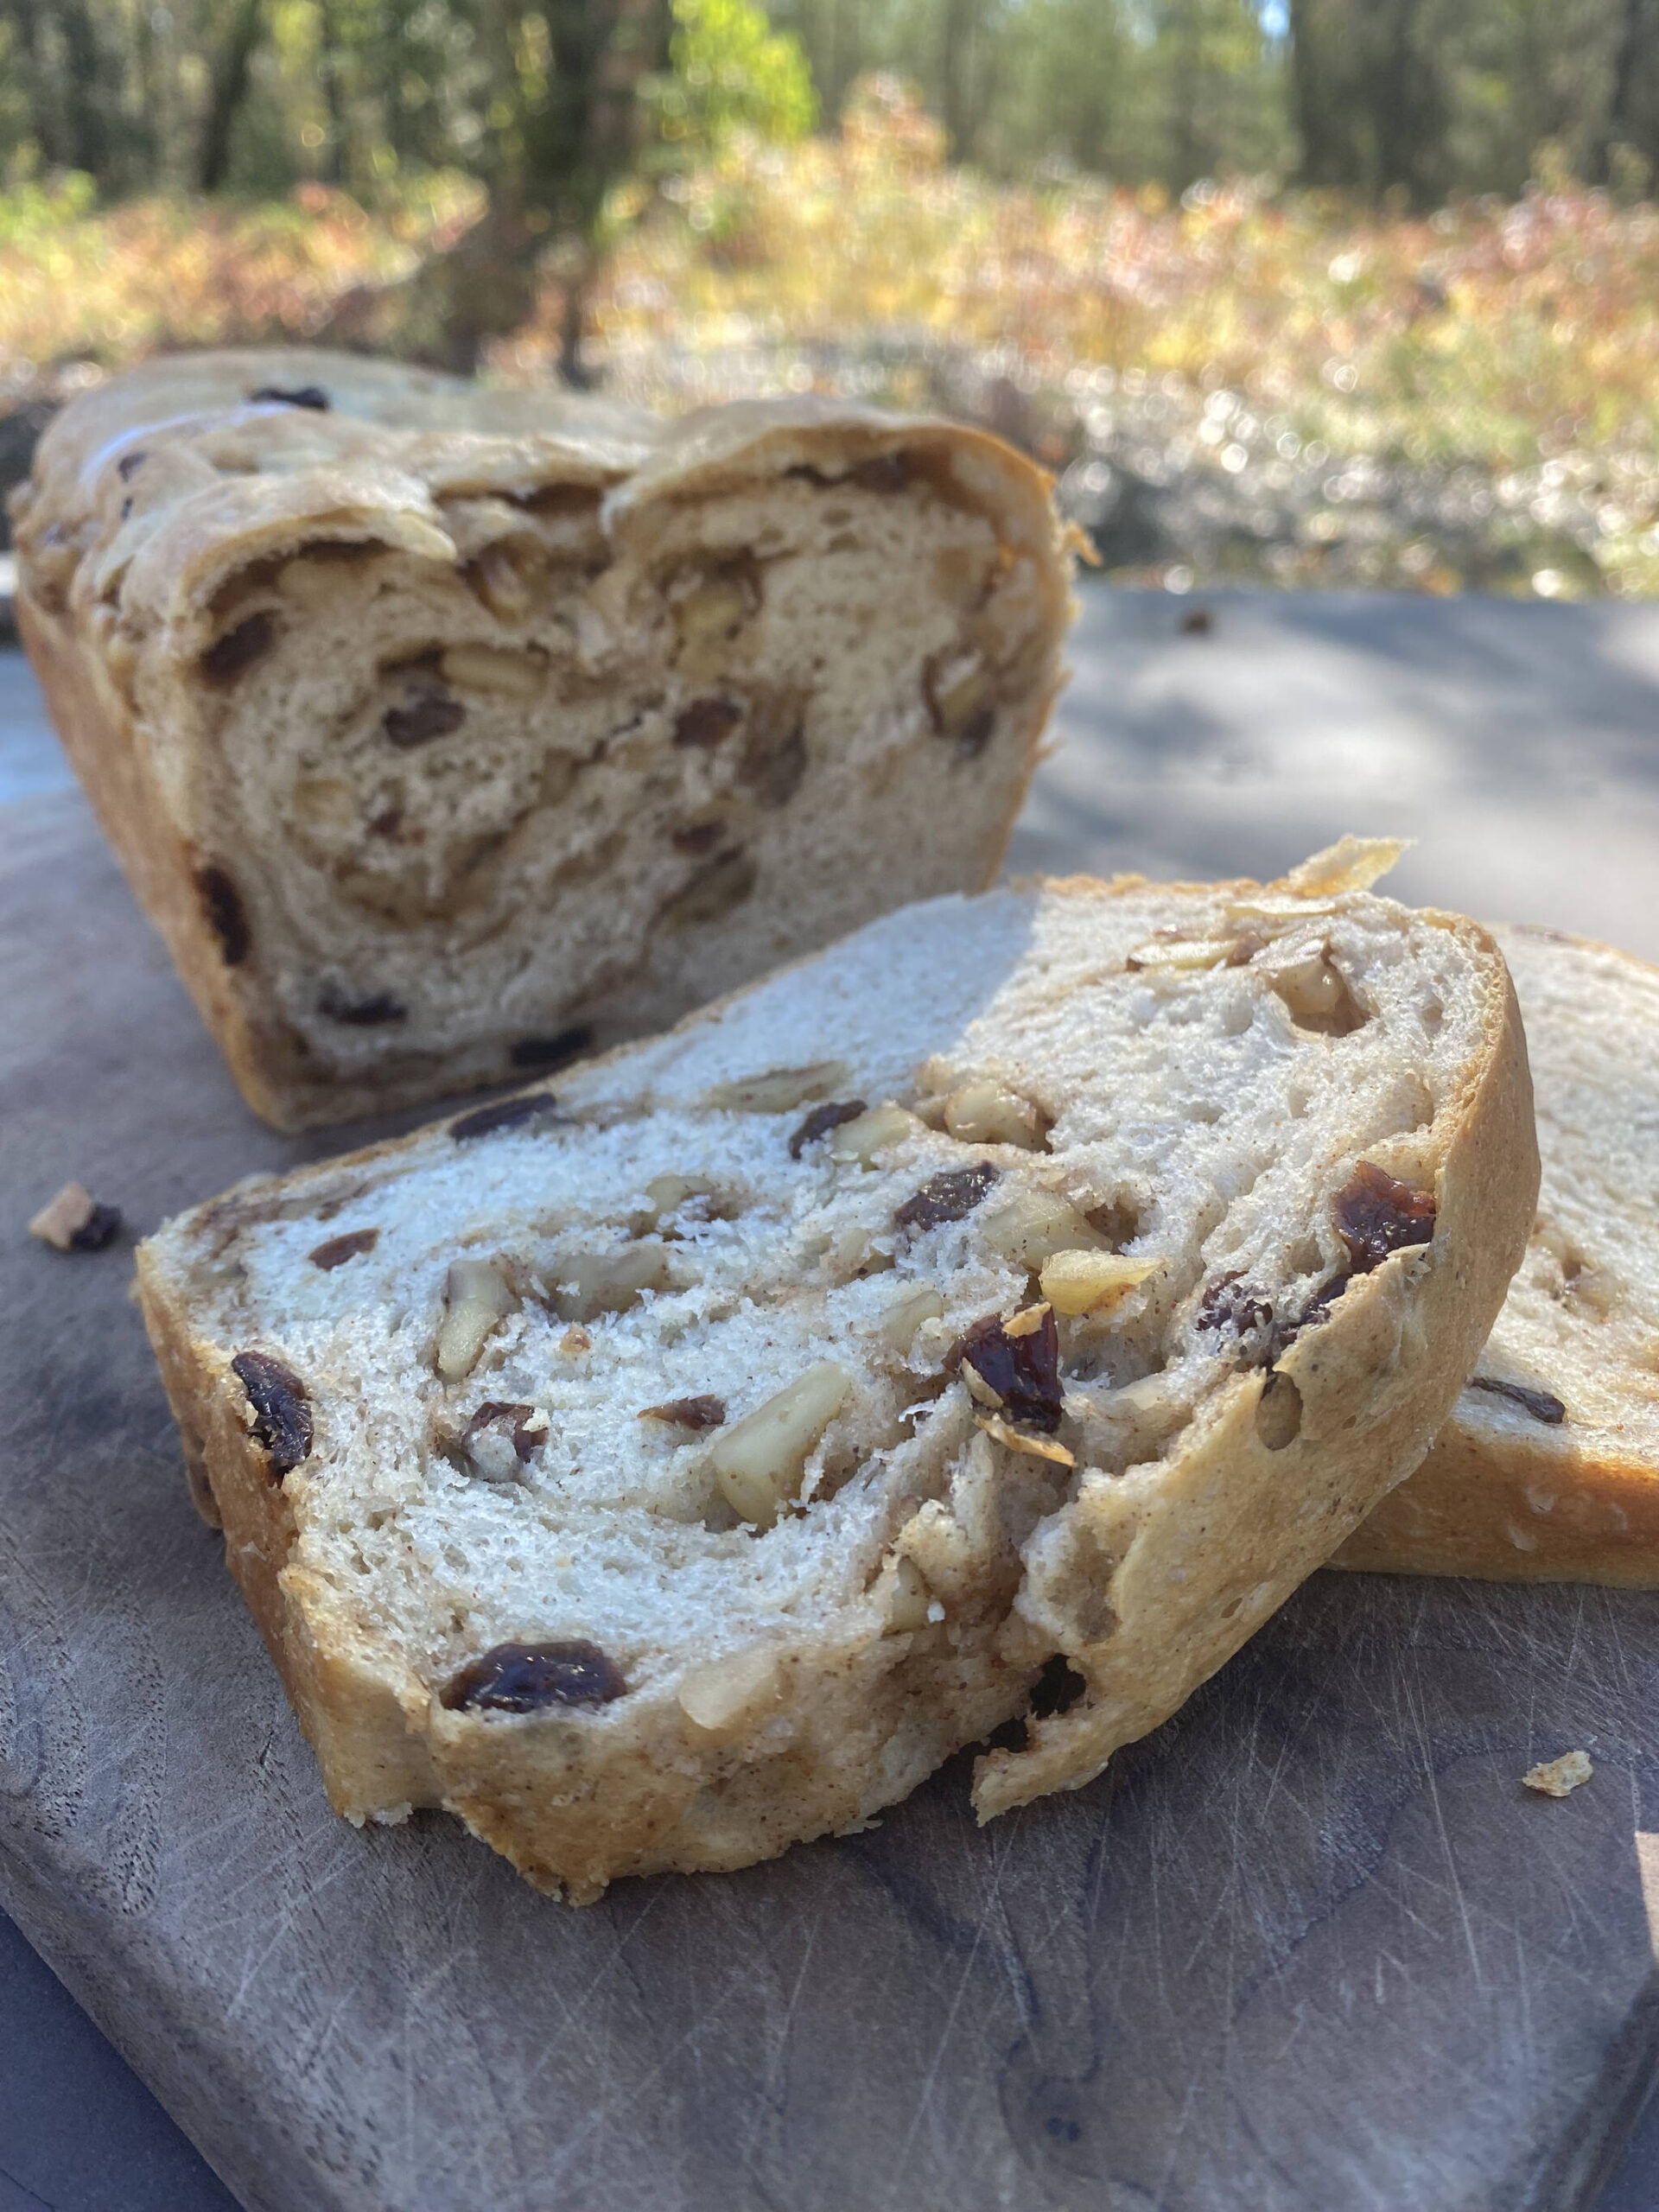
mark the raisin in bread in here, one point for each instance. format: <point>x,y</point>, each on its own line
<point>445,732</point>
<point>1549,1468</point>
<point>664,1467</point>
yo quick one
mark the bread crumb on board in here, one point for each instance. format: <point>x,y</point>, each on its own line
<point>75,1222</point>
<point>1559,1777</point>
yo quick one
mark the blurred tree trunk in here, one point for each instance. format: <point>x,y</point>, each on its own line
<point>1407,103</point>
<point>228,90</point>
<point>1633,100</point>
<point>563,135</point>
<point>1328,150</point>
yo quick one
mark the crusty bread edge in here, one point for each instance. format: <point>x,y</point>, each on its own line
<point>157,858</point>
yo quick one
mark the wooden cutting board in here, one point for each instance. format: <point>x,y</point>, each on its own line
<point>1310,1948</point>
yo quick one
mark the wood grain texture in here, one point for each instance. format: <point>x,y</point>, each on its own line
<point>1310,1948</point>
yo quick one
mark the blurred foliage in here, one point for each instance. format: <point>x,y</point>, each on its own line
<point>1018,220</point>
<point>731,71</point>
<point>1423,98</point>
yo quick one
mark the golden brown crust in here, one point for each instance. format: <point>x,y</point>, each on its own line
<point>1486,1506</point>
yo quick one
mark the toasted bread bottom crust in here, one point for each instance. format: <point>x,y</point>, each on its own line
<point>1501,1511</point>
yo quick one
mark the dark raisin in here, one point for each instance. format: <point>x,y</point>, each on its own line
<point>101,1225</point>
<point>697,837</point>
<point>1233,1308</point>
<point>1317,1307</point>
<point>427,711</point>
<point>304,395</point>
<point>1196,622</point>
<point>339,1249</point>
<point>238,649</point>
<point>494,1410</point>
<point>129,465</point>
<point>553,1051</point>
<point>688,1413</point>
<point>226,916</point>
<point>705,721</point>
<point>361,1013</point>
<point>1376,1215</point>
<point>975,735</point>
<point>282,1410</point>
<point>819,1122</point>
<point>510,1114</point>
<point>947,1196</point>
<point>1024,1371</point>
<point>888,471</point>
<point>774,754</point>
<point>1542,1405</point>
<point>523,1677</point>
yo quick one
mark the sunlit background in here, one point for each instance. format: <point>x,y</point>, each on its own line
<point>1348,292</point>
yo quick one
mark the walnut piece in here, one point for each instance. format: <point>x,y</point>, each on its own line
<point>476,1301</point>
<point>1083,1282</point>
<point>495,670</point>
<point>988,1112</point>
<point>777,1090</point>
<point>759,1462</point>
<point>871,1132</point>
<point>722,1693</point>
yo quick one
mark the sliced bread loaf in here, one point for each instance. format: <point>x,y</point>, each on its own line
<point>1549,1471</point>
<point>444,733</point>
<point>662,1469</point>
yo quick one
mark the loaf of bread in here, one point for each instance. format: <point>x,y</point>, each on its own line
<point>445,733</point>
<point>1549,1471</point>
<point>662,1467</point>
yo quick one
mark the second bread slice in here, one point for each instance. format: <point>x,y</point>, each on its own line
<point>1548,1470</point>
<point>661,1470</point>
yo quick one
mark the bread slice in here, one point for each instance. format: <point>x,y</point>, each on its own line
<point>446,733</point>
<point>1548,1470</point>
<point>662,1469</point>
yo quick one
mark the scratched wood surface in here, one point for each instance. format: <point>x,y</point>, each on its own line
<point>1310,1948</point>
